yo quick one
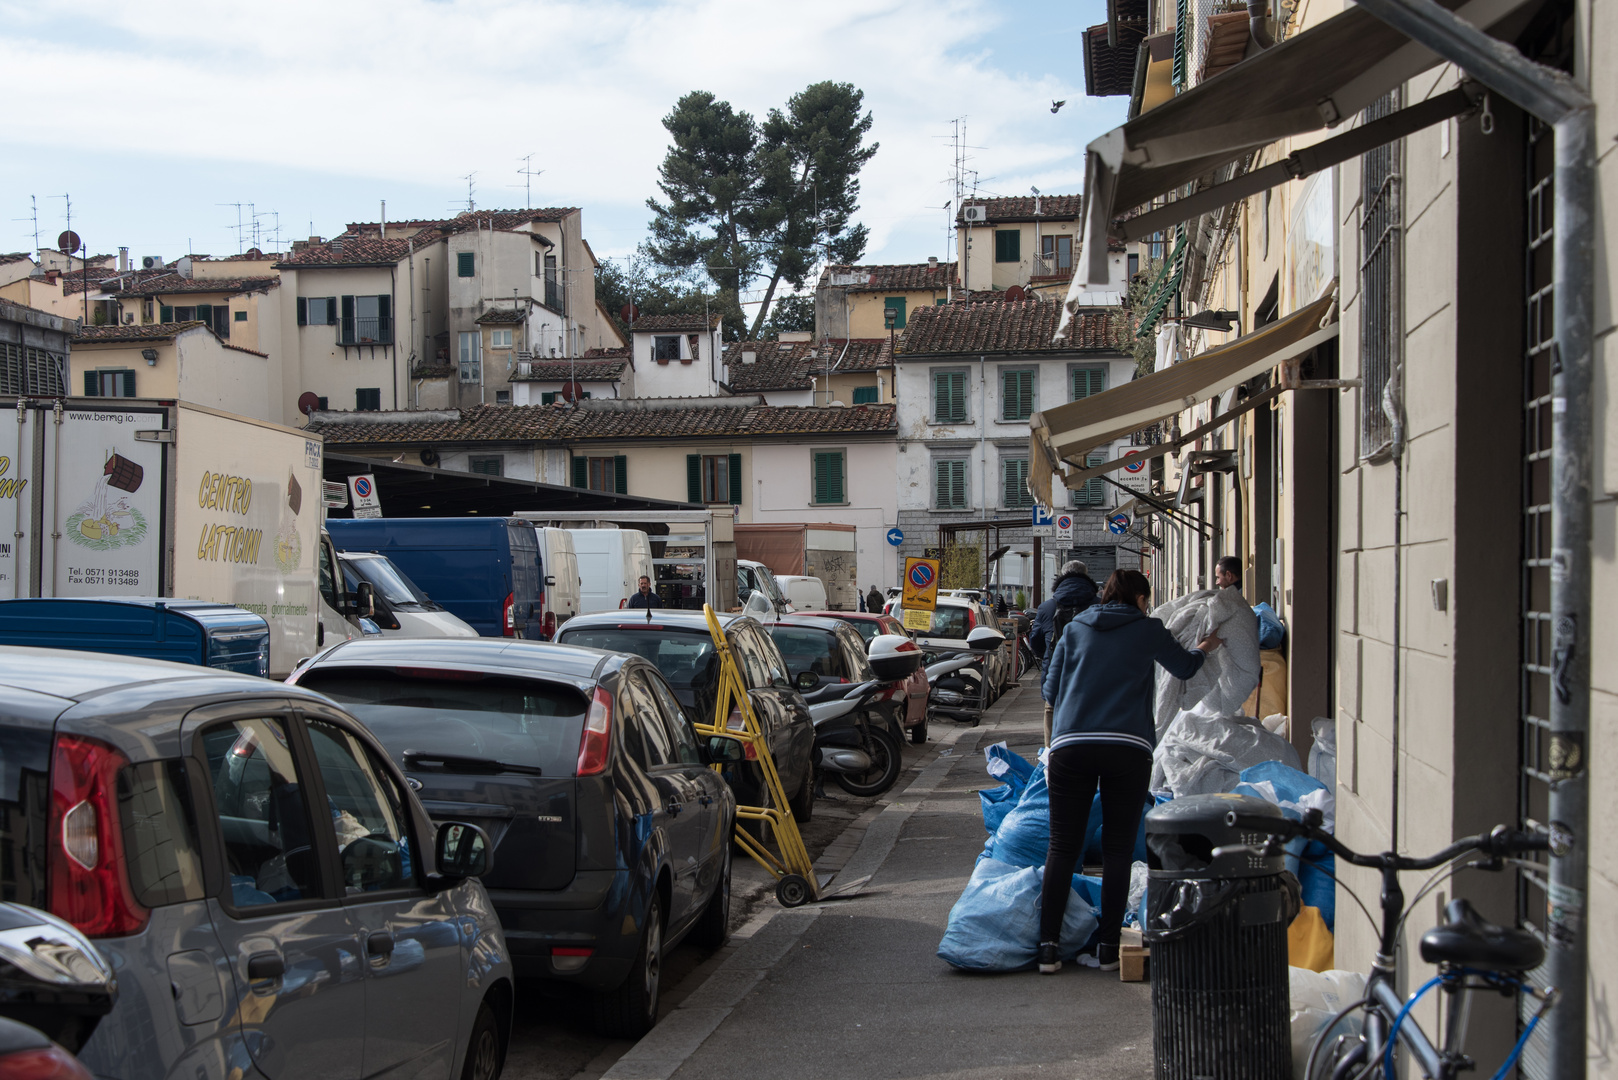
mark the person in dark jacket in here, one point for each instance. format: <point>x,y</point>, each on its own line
<point>1100,681</point>
<point>644,597</point>
<point>873,601</point>
<point>1073,589</point>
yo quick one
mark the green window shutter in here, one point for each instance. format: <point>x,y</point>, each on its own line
<point>898,304</point>
<point>693,478</point>
<point>165,313</point>
<point>620,473</point>
<point>465,264</point>
<point>205,313</point>
<point>829,477</point>
<point>950,484</point>
<point>384,306</point>
<point>1008,245</point>
<point>820,470</point>
<point>129,383</point>
<point>92,384</point>
<point>1015,474</point>
<point>736,479</point>
<point>1093,491</point>
<point>303,312</point>
<point>949,397</point>
<point>547,397</point>
<point>835,480</point>
<point>1017,397</point>
<point>865,395</point>
<point>1088,382</point>
<point>581,472</point>
<point>331,309</point>
<point>348,307</point>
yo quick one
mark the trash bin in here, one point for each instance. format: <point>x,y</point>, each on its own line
<point>1217,927</point>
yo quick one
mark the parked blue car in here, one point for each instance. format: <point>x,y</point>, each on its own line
<point>183,631</point>
<point>486,571</point>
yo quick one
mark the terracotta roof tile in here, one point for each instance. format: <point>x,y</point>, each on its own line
<point>174,283</point>
<point>788,365</point>
<point>1110,71</point>
<point>1007,326</point>
<point>502,317</point>
<point>1021,207</point>
<point>607,354</point>
<point>435,369</point>
<point>563,370</point>
<point>903,277</point>
<point>658,324</point>
<point>94,335</point>
<point>351,250</point>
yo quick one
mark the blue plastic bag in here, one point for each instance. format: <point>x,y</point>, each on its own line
<point>1015,770</point>
<point>1271,630</point>
<point>1309,860</point>
<point>1024,831</point>
<point>994,926</point>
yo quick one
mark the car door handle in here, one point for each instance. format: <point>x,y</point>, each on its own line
<point>706,800</point>
<point>674,807</point>
<point>379,943</point>
<point>265,965</point>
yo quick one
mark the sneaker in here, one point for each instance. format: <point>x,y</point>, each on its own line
<point>1050,961</point>
<point>1107,957</point>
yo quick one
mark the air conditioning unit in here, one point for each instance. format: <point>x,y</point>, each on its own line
<point>151,262</point>
<point>977,214</point>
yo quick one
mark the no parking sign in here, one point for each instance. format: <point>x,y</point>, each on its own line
<point>1064,526</point>
<point>920,585</point>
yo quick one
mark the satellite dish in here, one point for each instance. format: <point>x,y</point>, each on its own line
<point>308,402</point>
<point>572,391</point>
<point>68,242</point>
<point>629,313</point>
<point>1016,293</point>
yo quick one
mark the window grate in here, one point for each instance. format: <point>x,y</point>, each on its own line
<point>1381,242</point>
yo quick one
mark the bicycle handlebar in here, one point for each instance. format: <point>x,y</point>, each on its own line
<point>1498,842</point>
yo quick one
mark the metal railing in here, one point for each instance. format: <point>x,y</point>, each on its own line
<point>365,330</point>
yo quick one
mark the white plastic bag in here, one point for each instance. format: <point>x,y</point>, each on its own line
<point>1230,673</point>
<point>1323,754</point>
<point>1316,998</point>
<point>1202,753</point>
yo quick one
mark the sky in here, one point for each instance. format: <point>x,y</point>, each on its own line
<point>156,118</point>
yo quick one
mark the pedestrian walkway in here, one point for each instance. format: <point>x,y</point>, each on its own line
<point>853,989</point>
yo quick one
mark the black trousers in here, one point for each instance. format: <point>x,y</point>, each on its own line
<point>1072,774</point>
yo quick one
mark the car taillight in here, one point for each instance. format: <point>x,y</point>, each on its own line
<point>596,740</point>
<point>88,884</point>
<point>43,1063</point>
<point>547,625</point>
<point>508,616</point>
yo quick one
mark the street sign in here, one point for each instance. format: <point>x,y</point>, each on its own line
<point>896,537</point>
<point>366,503</point>
<point>920,585</point>
<point>1042,520</point>
<point>1134,475</point>
<point>1064,526</point>
<point>918,619</point>
<point>1118,523</point>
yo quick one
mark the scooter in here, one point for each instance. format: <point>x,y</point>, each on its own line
<point>863,758</point>
<point>959,689</point>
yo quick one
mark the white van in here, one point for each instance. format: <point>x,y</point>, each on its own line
<point>401,608</point>
<point>560,565</point>
<point>611,564</point>
<point>803,593</point>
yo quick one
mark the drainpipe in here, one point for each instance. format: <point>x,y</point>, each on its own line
<point>1258,23</point>
<point>1555,98</point>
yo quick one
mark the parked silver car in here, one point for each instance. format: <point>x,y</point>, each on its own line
<point>272,897</point>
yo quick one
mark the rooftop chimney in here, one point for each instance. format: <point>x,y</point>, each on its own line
<point>123,260</point>
<point>932,262</point>
<point>337,247</point>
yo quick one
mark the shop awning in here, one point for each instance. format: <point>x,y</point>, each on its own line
<point>1309,82</point>
<point>1069,432</point>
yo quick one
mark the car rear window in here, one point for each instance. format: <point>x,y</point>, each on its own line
<point>686,659</point>
<point>806,649</point>
<point>502,718</point>
<point>949,622</point>
<point>159,826</point>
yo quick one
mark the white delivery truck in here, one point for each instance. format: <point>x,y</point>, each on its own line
<point>560,565</point>
<point>111,497</point>
<point>693,551</point>
<point>611,564</point>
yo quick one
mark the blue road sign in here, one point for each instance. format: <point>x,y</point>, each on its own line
<point>1118,524</point>
<point>896,537</point>
<point>1042,516</point>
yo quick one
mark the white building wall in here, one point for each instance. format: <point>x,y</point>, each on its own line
<point>782,480</point>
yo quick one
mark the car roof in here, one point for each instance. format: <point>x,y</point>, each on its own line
<point>685,620</point>
<point>819,622</point>
<point>843,615</point>
<point>77,676</point>
<point>487,654</point>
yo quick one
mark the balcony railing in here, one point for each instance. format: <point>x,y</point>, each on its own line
<point>365,330</point>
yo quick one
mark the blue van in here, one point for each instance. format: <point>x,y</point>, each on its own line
<point>183,631</point>
<point>486,571</point>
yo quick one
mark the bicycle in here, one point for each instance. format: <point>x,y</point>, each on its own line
<point>1471,954</point>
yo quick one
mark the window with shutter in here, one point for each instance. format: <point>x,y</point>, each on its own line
<point>736,479</point>
<point>92,384</point>
<point>620,474</point>
<point>693,478</point>
<point>950,485</point>
<point>129,383</point>
<point>465,264</point>
<point>949,397</point>
<point>1094,491</point>
<point>897,303</point>
<point>165,313</point>
<point>367,399</point>
<point>1014,472</point>
<point>492,465</point>
<point>303,311</point>
<point>866,395</point>
<point>1007,245</point>
<point>1088,381</point>
<point>580,472</point>
<point>828,477</point>
<point>715,477</point>
<point>1017,395</point>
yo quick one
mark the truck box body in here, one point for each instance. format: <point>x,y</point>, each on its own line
<point>182,631</point>
<point>611,564</point>
<point>824,551</point>
<point>471,565</point>
<point>693,551</point>
<point>131,498</point>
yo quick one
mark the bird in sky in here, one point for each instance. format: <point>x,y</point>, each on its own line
<point>1056,105</point>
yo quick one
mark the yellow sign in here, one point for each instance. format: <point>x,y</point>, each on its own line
<point>920,585</point>
<point>918,620</point>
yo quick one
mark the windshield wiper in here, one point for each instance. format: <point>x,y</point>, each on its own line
<point>459,763</point>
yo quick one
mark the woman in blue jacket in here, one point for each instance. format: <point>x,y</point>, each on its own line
<point>1100,682</point>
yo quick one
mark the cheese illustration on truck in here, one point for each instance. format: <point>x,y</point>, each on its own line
<point>107,520</point>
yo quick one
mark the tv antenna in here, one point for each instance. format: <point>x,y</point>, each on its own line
<point>471,205</point>
<point>33,203</point>
<point>528,172</point>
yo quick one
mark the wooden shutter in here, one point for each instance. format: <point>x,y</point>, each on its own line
<point>949,397</point>
<point>129,383</point>
<point>620,473</point>
<point>951,484</point>
<point>165,313</point>
<point>1015,475</point>
<point>1092,492</point>
<point>92,384</point>
<point>331,310</point>
<point>865,395</point>
<point>693,478</point>
<point>828,479</point>
<point>1017,395</point>
<point>348,307</point>
<point>1088,382</point>
<point>581,472</point>
<point>1007,245</point>
<point>464,264</point>
<point>898,304</point>
<point>736,479</point>
<point>384,306</point>
<point>303,312</point>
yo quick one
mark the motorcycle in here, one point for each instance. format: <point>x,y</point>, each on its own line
<point>851,744</point>
<point>959,690</point>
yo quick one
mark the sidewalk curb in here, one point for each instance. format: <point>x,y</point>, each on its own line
<point>772,933</point>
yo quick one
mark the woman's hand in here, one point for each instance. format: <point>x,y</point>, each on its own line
<point>1210,643</point>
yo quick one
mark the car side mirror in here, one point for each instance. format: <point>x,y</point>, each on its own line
<point>463,850</point>
<point>365,600</point>
<point>722,750</point>
<point>806,680</point>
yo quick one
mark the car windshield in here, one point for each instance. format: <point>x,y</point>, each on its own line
<point>390,582</point>
<point>466,714</point>
<point>686,658</point>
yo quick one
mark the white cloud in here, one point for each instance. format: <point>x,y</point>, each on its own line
<point>421,93</point>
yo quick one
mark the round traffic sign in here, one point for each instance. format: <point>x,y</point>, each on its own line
<point>896,537</point>
<point>921,575</point>
<point>362,487</point>
<point>1134,466</point>
<point>1118,524</point>
<point>1064,522</point>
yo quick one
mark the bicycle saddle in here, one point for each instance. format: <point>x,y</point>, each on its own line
<point>1466,939</point>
